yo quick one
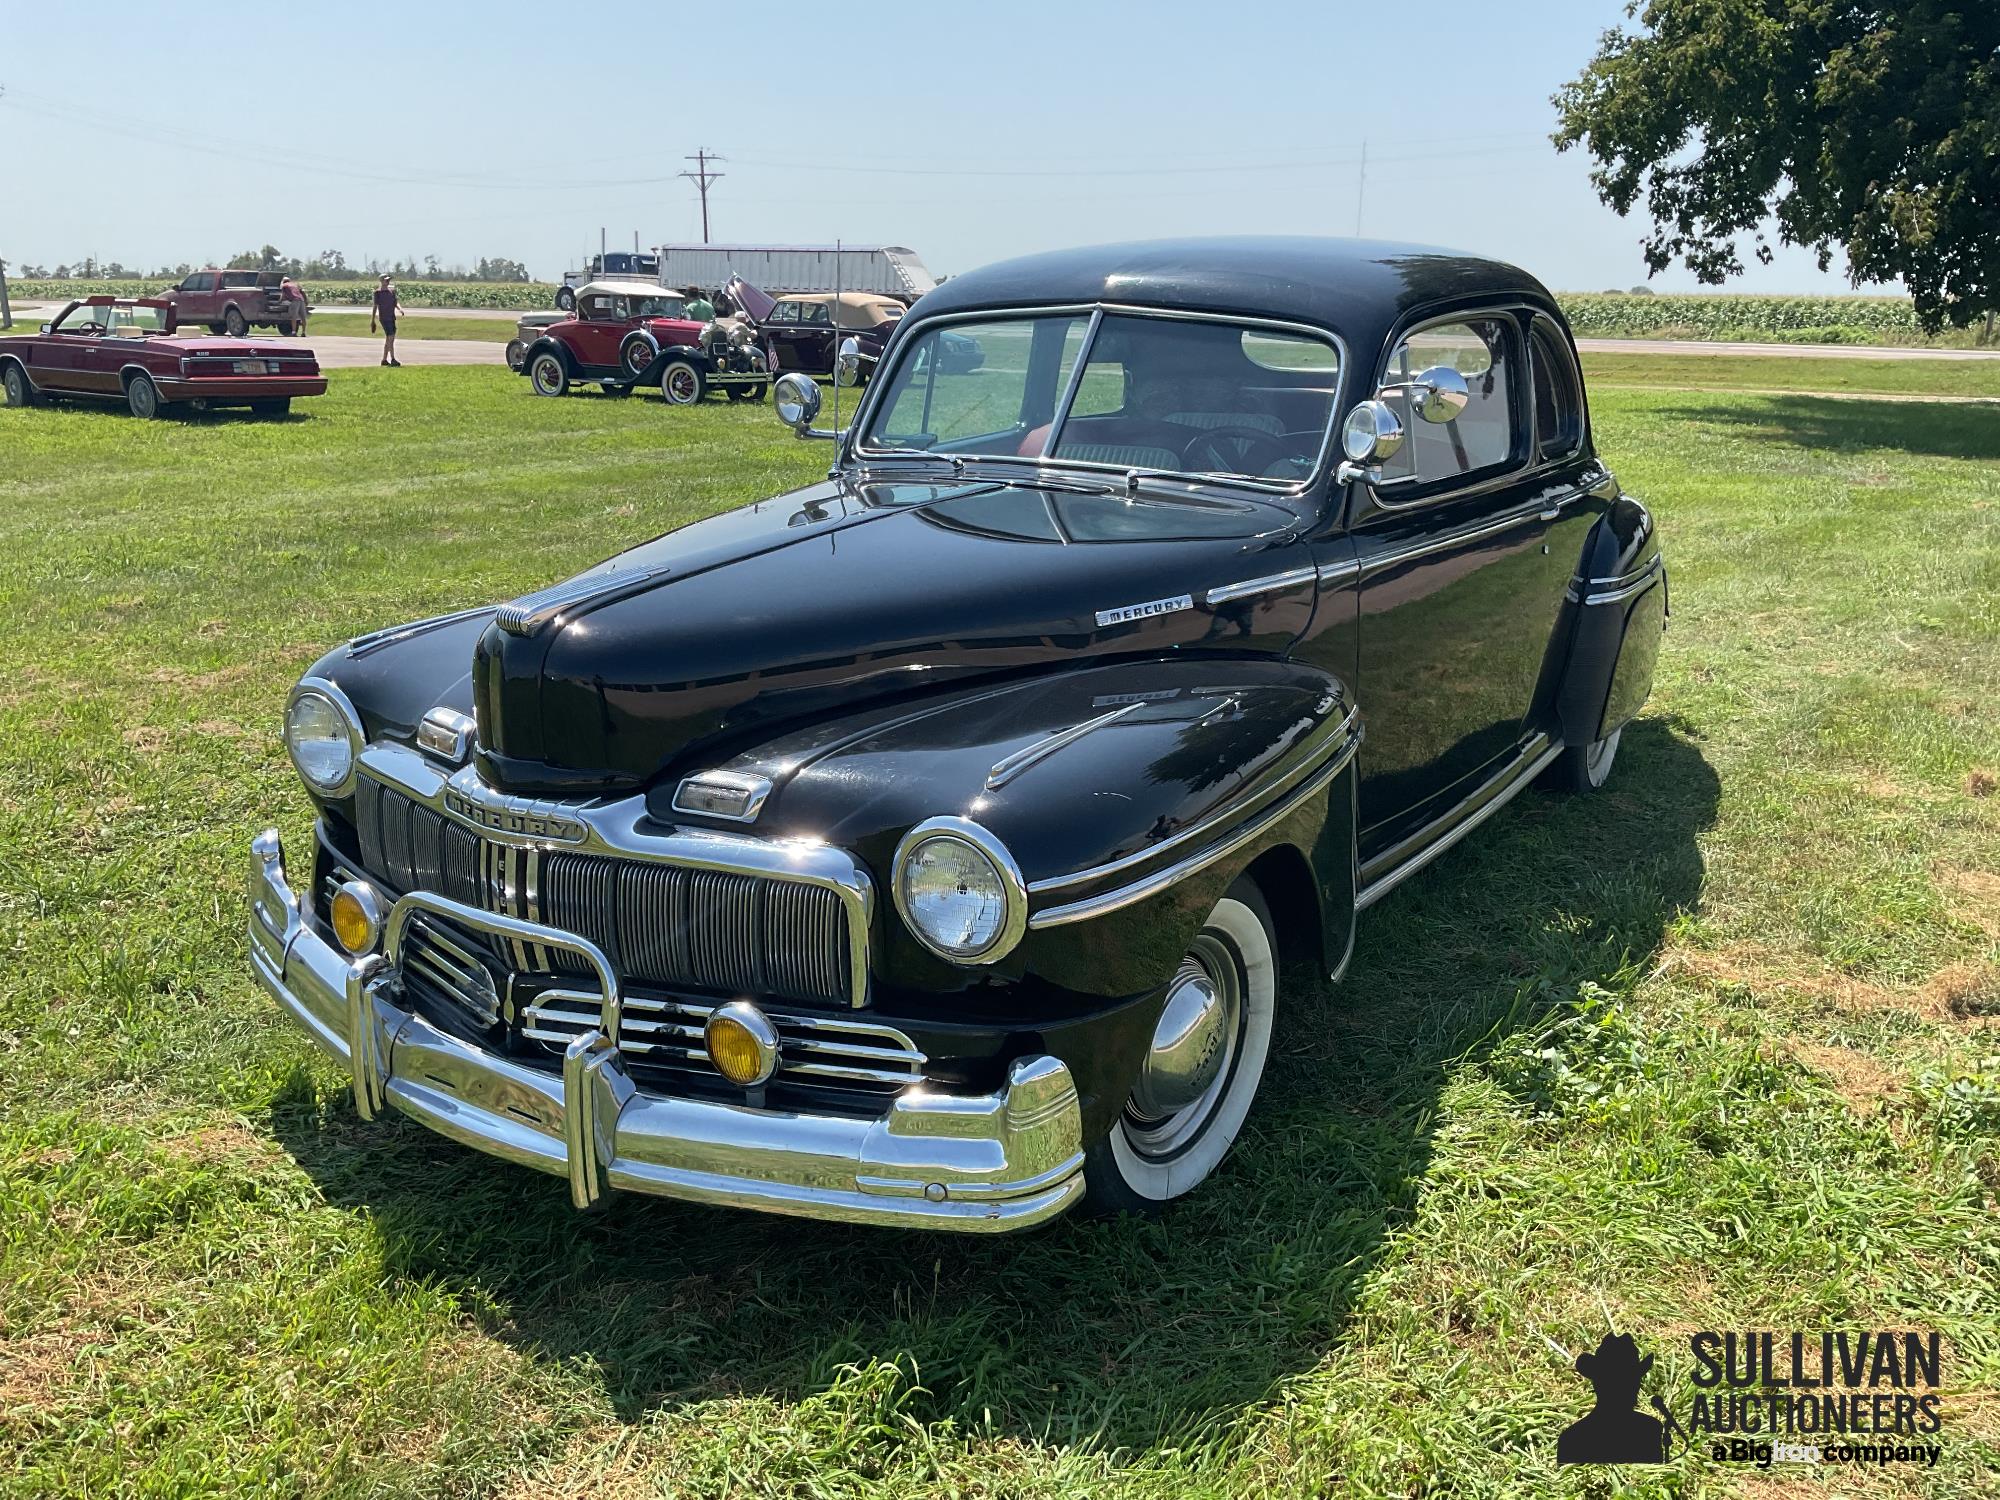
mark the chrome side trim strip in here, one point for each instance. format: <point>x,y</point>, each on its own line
<point>1339,572</point>
<point>1152,885</point>
<point>1462,538</point>
<point>374,640</point>
<point>1007,768</point>
<point>1375,890</point>
<point>1327,734</point>
<point>1269,584</point>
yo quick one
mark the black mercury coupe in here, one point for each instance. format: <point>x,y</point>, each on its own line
<point>921,847</point>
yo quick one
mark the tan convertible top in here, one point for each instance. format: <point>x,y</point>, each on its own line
<point>853,309</point>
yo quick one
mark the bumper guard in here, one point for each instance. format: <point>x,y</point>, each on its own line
<point>978,1162</point>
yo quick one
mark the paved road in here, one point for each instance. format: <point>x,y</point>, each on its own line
<point>343,352</point>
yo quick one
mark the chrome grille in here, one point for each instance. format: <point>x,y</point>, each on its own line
<point>664,1036</point>
<point>661,924</point>
<point>442,967</point>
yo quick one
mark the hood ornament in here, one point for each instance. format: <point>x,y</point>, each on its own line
<point>527,614</point>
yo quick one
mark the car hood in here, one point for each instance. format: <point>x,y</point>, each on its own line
<point>713,636</point>
<point>753,300</point>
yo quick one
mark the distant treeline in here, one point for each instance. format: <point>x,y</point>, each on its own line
<point>499,295</point>
<point>328,265</point>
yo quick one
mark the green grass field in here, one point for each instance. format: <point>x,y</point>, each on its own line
<point>1714,1049</point>
<point>1880,377</point>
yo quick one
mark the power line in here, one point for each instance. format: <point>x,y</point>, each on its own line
<point>701,177</point>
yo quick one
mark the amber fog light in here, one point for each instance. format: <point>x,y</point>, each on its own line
<point>357,917</point>
<point>742,1043</point>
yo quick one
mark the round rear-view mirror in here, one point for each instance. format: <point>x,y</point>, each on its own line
<point>1440,394</point>
<point>796,398</point>
<point>847,368</point>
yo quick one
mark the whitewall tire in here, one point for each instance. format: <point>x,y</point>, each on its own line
<point>547,375</point>
<point>1203,1067</point>
<point>681,383</point>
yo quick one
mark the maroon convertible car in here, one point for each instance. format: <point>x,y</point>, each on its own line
<point>119,349</point>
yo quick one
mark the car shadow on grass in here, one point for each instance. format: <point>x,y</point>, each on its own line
<point>1123,1334</point>
<point>1938,429</point>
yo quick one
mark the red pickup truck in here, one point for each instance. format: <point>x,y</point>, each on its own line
<point>234,302</point>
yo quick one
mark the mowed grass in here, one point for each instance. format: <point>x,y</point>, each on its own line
<point>1713,1049</point>
<point>1888,377</point>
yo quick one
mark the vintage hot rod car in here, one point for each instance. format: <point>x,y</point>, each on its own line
<point>127,350</point>
<point>631,333</point>
<point>921,847</point>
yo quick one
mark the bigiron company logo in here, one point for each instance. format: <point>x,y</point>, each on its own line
<point>1765,1397</point>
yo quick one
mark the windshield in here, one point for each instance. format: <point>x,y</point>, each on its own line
<point>132,322</point>
<point>1177,395</point>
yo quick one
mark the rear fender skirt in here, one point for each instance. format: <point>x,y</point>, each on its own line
<point>1617,610</point>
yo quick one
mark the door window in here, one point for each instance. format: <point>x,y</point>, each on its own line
<point>816,314</point>
<point>1558,392</point>
<point>1478,438</point>
<point>785,312</point>
<point>84,320</point>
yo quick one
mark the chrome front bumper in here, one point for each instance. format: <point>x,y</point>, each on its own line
<point>974,1162</point>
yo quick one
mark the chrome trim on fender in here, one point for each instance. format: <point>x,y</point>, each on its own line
<point>752,789</point>
<point>1270,584</point>
<point>527,614</point>
<point>447,733</point>
<point>1329,732</point>
<point>1616,590</point>
<point>1445,543</point>
<point>375,640</point>
<point>1008,767</point>
<point>624,829</point>
<point>982,1162</point>
<point>1152,885</point>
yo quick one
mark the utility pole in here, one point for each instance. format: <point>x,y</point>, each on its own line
<point>6,312</point>
<point>1361,187</point>
<point>701,177</point>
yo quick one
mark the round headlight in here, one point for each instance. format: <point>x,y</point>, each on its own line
<point>322,735</point>
<point>960,891</point>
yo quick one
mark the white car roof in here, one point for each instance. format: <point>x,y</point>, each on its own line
<point>626,289</point>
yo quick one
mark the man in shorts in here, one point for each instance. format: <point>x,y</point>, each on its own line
<point>386,309</point>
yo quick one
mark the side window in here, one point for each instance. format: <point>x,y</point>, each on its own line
<point>818,314</point>
<point>1558,392</point>
<point>1481,436</point>
<point>785,312</point>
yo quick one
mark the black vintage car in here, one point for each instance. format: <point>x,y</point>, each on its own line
<point>921,847</point>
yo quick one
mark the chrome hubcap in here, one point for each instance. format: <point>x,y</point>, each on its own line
<point>1187,1068</point>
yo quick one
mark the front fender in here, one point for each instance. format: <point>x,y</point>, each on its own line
<point>547,345</point>
<point>1130,794</point>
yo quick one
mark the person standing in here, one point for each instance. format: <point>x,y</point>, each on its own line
<point>386,309</point>
<point>699,307</point>
<point>296,295</point>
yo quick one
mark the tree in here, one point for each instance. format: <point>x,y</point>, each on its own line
<point>1871,125</point>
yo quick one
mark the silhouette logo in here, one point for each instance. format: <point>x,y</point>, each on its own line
<point>1614,1431</point>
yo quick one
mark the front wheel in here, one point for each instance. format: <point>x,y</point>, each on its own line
<point>1201,1068</point>
<point>565,299</point>
<point>548,376</point>
<point>1585,768</point>
<point>517,355</point>
<point>143,397</point>
<point>19,392</point>
<point>233,324</point>
<point>286,330</point>
<point>681,383</point>
<point>748,392</point>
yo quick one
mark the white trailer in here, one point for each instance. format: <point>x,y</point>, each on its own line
<point>781,269</point>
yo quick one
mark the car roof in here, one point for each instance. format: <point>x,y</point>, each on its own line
<point>611,288</point>
<point>1357,288</point>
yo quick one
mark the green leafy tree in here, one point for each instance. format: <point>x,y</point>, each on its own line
<point>1868,125</point>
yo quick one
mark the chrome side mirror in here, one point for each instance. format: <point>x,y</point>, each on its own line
<point>1372,433</point>
<point>847,367</point>
<point>1439,394</point>
<point>46,327</point>
<point>796,398</point>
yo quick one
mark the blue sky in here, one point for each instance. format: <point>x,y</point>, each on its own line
<point>152,133</point>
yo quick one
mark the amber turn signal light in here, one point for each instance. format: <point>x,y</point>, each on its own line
<point>742,1043</point>
<point>357,917</point>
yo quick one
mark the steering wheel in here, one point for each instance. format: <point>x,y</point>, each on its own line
<point>1235,450</point>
